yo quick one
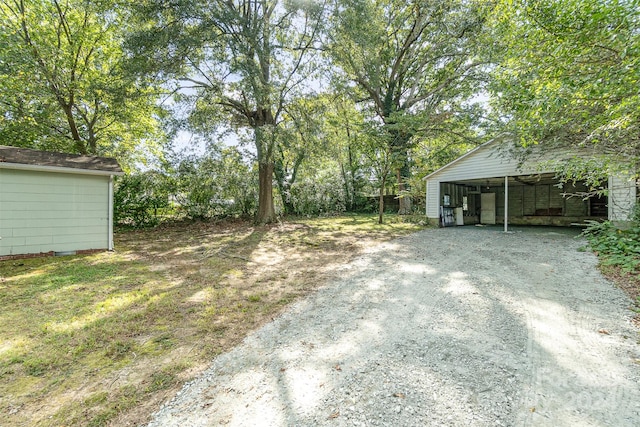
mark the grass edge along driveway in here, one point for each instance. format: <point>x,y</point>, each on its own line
<point>104,339</point>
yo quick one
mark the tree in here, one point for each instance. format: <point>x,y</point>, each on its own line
<point>344,128</point>
<point>415,59</point>
<point>217,184</point>
<point>300,138</point>
<point>62,81</point>
<point>568,76</point>
<point>238,61</point>
<point>382,158</point>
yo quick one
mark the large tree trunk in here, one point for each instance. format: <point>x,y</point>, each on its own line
<point>264,147</point>
<point>78,143</point>
<point>381,202</point>
<point>266,211</point>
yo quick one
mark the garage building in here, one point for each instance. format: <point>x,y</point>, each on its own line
<point>490,185</point>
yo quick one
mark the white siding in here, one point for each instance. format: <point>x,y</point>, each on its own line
<point>44,211</point>
<point>433,198</point>
<point>489,161</point>
<point>622,198</point>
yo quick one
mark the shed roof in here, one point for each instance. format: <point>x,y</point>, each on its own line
<point>25,158</point>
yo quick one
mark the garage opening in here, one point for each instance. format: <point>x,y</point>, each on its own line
<point>532,200</point>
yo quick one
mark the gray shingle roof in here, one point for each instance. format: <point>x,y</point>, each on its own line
<point>27,156</point>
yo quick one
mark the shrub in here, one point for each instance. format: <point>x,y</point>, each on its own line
<point>616,246</point>
<point>322,194</point>
<point>140,199</point>
<point>217,185</point>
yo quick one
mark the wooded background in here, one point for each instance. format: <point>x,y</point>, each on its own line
<point>268,107</point>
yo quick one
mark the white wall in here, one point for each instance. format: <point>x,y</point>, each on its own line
<point>433,199</point>
<point>45,211</point>
<point>622,198</point>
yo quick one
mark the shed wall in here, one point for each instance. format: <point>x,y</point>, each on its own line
<point>43,212</point>
<point>433,198</point>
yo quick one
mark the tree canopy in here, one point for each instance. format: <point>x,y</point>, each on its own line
<point>568,75</point>
<point>336,101</point>
<point>237,61</point>
<point>63,85</point>
<point>414,63</point>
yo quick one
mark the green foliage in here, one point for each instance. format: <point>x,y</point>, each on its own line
<point>63,84</point>
<point>567,75</point>
<point>239,62</point>
<point>217,185</point>
<point>140,199</point>
<point>416,65</point>
<point>343,133</point>
<point>617,246</point>
<point>320,194</point>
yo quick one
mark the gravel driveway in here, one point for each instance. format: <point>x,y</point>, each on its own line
<point>463,326</point>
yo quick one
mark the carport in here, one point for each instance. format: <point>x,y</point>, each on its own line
<point>489,185</point>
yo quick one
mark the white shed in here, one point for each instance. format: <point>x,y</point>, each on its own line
<point>488,185</point>
<point>54,203</point>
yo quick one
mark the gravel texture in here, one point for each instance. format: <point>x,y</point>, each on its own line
<point>464,326</point>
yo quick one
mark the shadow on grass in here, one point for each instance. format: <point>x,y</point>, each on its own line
<point>86,339</point>
<point>65,322</point>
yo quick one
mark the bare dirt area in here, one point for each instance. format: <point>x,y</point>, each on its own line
<point>451,327</point>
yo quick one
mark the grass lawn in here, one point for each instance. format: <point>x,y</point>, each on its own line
<point>105,339</point>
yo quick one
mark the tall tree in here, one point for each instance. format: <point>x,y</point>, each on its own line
<point>381,156</point>
<point>62,81</point>
<point>239,61</point>
<point>569,76</point>
<point>416,58</point>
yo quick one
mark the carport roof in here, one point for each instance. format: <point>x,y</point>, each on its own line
<point>464,156</point>
<point>495,159</point>
<point>25,158</point>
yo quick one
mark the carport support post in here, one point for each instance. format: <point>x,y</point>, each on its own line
<point>506,203</point>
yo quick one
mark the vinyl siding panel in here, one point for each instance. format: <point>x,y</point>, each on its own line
<point>490,161</point>
<point>622,198</point>
<point>433,199</point>
<point>46,211</point>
